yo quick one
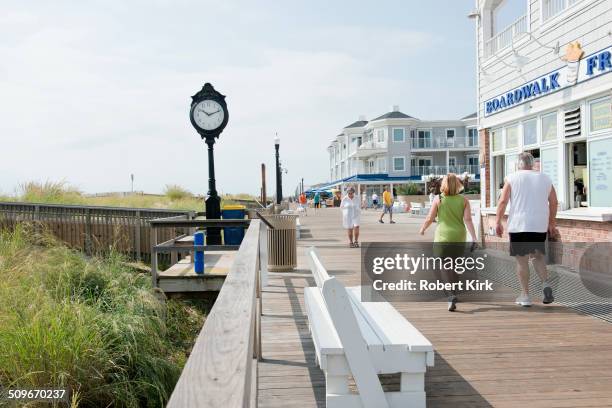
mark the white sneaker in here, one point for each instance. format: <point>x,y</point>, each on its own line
<point>523,300</point>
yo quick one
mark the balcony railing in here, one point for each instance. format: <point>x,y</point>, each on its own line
<point>444,143</point>
<point>372,145</point>
<point>443,170</point>
<point>507,36</point>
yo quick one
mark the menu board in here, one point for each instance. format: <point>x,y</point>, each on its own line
<point>600,173</point>
<point>549,163</point>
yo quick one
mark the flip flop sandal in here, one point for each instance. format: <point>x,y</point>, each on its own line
<point>356,244</point>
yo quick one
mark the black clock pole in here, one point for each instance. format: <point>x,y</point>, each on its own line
<point>210,134</point>
<point>213,202</point>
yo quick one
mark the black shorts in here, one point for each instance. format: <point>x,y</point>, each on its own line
<point>524,243</point>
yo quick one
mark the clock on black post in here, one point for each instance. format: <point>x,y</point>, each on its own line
<point>208,115</point>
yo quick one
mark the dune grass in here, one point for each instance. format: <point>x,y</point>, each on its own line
<point>91,325</point>
<point>175,197</point>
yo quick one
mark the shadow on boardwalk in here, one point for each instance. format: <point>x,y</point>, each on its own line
<point>490,354</point>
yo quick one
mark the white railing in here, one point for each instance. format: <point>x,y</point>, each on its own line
<point>551,8</point>
<point>443,170</point>
<point>372,145</point>
<point>505,38</point>
<point>443,142</point>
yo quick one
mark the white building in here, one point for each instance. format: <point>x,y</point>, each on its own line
<point>396,148</point>
<point>544,86</point>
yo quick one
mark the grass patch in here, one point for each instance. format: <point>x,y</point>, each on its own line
<point>91,325</point>
<point>175,197</point>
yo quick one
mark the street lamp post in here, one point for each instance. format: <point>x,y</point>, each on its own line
<point>279,182</point>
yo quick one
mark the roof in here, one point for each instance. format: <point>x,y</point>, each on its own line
<point>394,115</point>
<point>358,124</point>
<point>470,116</point>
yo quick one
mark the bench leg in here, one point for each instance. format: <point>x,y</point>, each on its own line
<point>412,382</point>
<point>336,384</point>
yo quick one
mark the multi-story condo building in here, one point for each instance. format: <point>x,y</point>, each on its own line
<point>544,86</point>
<point>396,148</point>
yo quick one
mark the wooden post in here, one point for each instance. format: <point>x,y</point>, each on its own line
<point>88,240</point>
<point>137,236</point>
<point>154,256</point>
<point>263,185</point>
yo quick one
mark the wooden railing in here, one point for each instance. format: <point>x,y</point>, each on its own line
<point>222,368</point>
<point>93,229</point>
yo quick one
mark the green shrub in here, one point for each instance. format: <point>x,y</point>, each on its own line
<point>49,192</point>
<point>409,189</point>
<point>91,325</point>
<point>176,192</point>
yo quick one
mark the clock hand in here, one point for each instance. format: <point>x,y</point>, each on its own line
<point>215,112</point>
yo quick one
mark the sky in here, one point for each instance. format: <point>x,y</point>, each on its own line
<point>91,92</point>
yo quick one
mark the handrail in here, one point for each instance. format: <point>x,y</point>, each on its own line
<point>165,222</point>
<point>93,207</point>
<point>219,370</point>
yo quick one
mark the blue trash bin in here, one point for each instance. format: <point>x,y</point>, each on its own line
<point>233,235</point>
<point>198,255</point>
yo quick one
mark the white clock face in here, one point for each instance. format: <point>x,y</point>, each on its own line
<point>208,115</point>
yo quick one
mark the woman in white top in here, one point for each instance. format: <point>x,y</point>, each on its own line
<point>350,216</point>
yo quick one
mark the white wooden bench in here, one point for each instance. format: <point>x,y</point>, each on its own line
<point>362,340</point>
<point>415,208</point>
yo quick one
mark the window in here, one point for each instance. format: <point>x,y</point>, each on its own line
<point>452,161</point>
<point>472,162</point>
<point>530,132</point>
<point>551,8</point>
<point>398,135</point>
<point>549,165</point>
<point>398,164</point>
<point>450,137</point>
<point>600,170</point>
<point>511,164</point>
<point>472,137</point>
<point>382,164</point>
<point>424,139</point>
<point>600,114</point>
<point>549,127</point>
<point>380,134</point>
<point>512,137</point>
<point>496,140</point>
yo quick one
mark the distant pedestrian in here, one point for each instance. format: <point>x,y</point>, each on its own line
<point>532,215</point>
<point>303,204</point>
<point>387,206</point>
<point>351,214</point>
<point>317,200</point>
<point>375,201</point>
<point>454,214</point>
<point>337,198</point>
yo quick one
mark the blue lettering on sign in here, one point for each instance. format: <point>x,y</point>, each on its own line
<point>554,81</point>
<point>518,95</point>
<point>591,63</point>
<point>596,64</point>
<point>604,60</point>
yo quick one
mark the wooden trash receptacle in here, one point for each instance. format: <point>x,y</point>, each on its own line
<point>282,243</point>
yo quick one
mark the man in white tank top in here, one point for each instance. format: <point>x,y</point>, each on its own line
<point>531,216</point>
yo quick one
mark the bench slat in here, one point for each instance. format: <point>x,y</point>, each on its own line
<point>327,340</point>
<point>391,327</point>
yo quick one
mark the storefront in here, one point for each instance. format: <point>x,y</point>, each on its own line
<point>550,93</point>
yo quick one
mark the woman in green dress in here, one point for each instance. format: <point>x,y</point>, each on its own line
<point>454,214</point>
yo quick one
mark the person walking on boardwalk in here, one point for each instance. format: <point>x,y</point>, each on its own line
<point>387,206</point>
<point>302,201</point>
<point>317,200</point>
<point>454,214</point>
<point>533,209</point>
<point>375,201</point>
<point>351,213</point>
